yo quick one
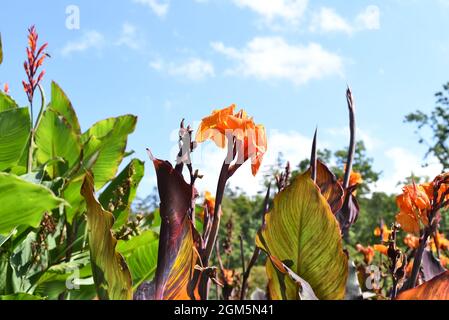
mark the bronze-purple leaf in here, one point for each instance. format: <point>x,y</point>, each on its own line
<point>329,186</point>
<point>349,213</point>
<point>177,258</point>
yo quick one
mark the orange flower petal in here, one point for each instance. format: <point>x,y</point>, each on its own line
<point>409,223</point>
<point>381,249</point>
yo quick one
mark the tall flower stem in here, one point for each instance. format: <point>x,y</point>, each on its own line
<point>34,127</point>
<point>352,142</point>
<point>224,176</point>
<point>418,258</point>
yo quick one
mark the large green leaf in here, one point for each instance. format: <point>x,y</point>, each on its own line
<point>120,193</point>
<point>21,296</point>
<point>111,274</point>
<point>302,232</point>
<point>73,278</point>
<point>23,203</point>
<point>55,138</point>
<point>72,195</point>
<point>105,145</point>
<point>14,135</point>
<point>61,103</point>
<point>140,253</point>
<point>6,102</point>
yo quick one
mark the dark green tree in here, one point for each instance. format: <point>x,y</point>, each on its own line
<point>362,164</point>
<point>433,128</point>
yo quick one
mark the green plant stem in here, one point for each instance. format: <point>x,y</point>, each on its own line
<point>33,129</point>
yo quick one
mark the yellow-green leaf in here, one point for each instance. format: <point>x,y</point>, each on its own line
<point>55,138</point>
<point>140,253</point>
<point>61,103</point>
<point>111,274</point>
<point>14,135</point>
<point>105,146</point>
<point>6,102</point>
<point>302,232</point>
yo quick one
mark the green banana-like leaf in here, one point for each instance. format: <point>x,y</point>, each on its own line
<point>55,138</point>
<point>105,146</point>
<point>14,134</point>
<point>73,277</point>
<point>23,203</point>
<point>302,232</point>
<point>20,296</point>
<point>278,270</point>
<point>111,274</point>
<point>120,193</point>
<point>140,253</point>
<point>6,102</point>
<point>72,195</point>
<point>176,256</point>
<point>61,104</point>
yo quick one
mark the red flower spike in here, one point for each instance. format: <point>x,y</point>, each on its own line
<point>34,61</point>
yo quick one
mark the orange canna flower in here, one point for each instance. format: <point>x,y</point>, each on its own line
<point>411,241</point>
<point>444,261</point>
<point>384,232</point>
<point>355,179</point>
<point>209,202</point>
<point>228,276</point>
<point>6,88</point>
<point>382,249</point>
<point>414,205</point>
<point>225,124</point>
<point>443,243</point>
<point>367,252</point>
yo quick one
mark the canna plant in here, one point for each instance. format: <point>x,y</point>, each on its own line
<point>56,240</point>
<point>68,231</point>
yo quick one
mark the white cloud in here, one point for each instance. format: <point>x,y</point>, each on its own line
<point>193,69</point>
<point>402,163</point>
<point>208,159</point>
<point>369,19</point>
<point>328,20</point>
<point>287,10</point>
<point>128,37</point>
<point>89,40</point>
<point>342,134</point>
<point>159,8</point>
<point>267,58</point>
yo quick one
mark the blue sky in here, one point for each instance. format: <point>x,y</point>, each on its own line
<point>287,62</point>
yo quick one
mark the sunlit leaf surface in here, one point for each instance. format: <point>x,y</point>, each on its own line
<point>302,232</point>
<point>111,274</point>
